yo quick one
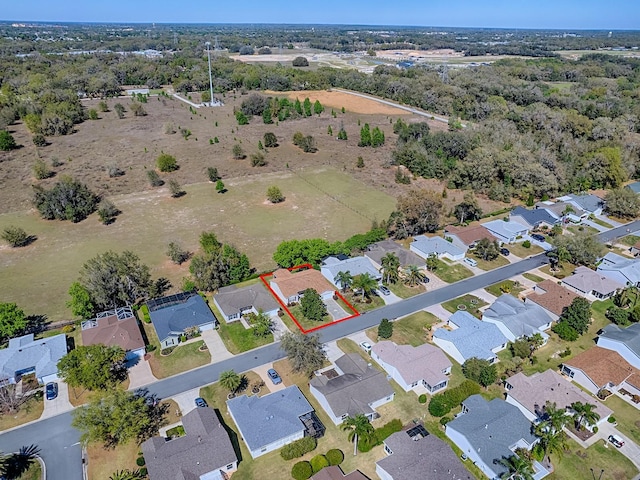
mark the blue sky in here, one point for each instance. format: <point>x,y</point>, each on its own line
<point>560,14</point>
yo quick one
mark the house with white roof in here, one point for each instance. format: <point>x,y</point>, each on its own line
<point>438,246</point>
<point>506,231</point>
<point>517,319</point>
<point>25,355</point>
<point>332,266</point>
<point>621,269</point>
<point>534,218</point>
<point>625,341</point>
<point>591,284</point>
<point>467,337</point>
<point>414,367</point>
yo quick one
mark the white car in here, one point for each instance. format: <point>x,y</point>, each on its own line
<point>366,346</point>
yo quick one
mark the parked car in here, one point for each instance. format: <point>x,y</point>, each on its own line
<point>425,279</point>
<point>538,237</point>
<point>51,390</point>
<point>384,290</point>
<point>616,440</point>
<point>201,402</point>
<point>470,261</point>
<point>366,346</point>
<point>505,252</point>
<point>273,375</point>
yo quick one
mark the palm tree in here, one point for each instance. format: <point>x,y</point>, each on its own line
<point>344,279</point>
<point>413,276</point>
<point>550,441</point>
<point>519,466</point>
<point>432,262</point>
<point>358,426</point>
<point>14,465</point>
<point>366,283</point>
<point>584,414</point>
<point>230,380</point>
<point>127,475</point>
<point>390,264</point>
<point>556,418</point>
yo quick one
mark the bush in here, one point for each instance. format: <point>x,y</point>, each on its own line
<point>318,463</point>
<point>144,472</point>
<point>212,173</point>
<point>166,163</point>
<point>39,140</point>
<point>438,406</point>
<point>301,471</point>
<point>335,456</point>
<point>93,114</point>
<point>241,118</point>
<point>526,244</point>
<point>175,188</point>
<point>176,253</point>
<point>594,429</point>
<point>67,200</point>
<point>40,170</point>
<point>146,318</point>
<point>387,430</point>
<point>7,141</point>
<point>140,461</point>
<point>107,212</point>
<point>274,194</point>
<point>298,448</point>
<point>442,403</point>
<point>611,419</point>
<point>270,140</point>
<point>385,329</point>
<point>154,178</point>
<point>300,62</point>
<point>15,236</point>
<point>445,420</point>
<point>257,160</point>
<point>69,329</point>
<point>422,398</point>
<point>565,331</point>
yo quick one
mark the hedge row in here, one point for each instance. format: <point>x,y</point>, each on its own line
<point>303,470</point>
<point>379,435</point>
<point>442,403</point>
<point>298,448</point>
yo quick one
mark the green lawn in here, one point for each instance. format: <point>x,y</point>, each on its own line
<point>602,223</point>
<point>630,240</point>
<point>508,286</point>
<point>304,322</point>
<point>34,472</point>
<point>576,229</point>
<point>410,330</point>
<point>565,269</point>
<point>532,277</point>
<point>451,272</point>
<point>405,291</point>
<point>627,416</point>
<point>576,463</point>
<point>29,411</point>
<point>499,261</point>
<point>235,337</point>
<point>356,302</point>
<point>519,251</point>
<point>470,302</point>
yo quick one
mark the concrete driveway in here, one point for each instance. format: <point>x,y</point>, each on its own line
<point>140,374</point>
<point>279,328</point>
<point>262,371</point>
<point>333,351</point>
<point>630,449</point>
<point>216,346</point>
<point>186,400</point>
<point>360,337</point>
<point>335,310</point>
<point>58,405</point>
<point>389,299</point>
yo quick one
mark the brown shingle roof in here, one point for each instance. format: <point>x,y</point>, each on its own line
<point>335,473</point>
<point>555,298</point>
<point>425,362</point>
<point>469,235</point>
<point>292,283</point>
<point>603,366</point>
<point>111,331</point>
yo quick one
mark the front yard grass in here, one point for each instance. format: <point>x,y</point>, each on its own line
<point>602,223</point>
<point>103,462</point>
<point>29,411</point>
<point>627,416</point>
<point>410,330</point>
<point>630,240</point>
<point>578,229</point>
<point>499,261</point>
<point>451,272</point>
<point>470,302</point>
<point>405,291</point>
<point>508,286</point>
<point>356,302</point>
<point>235,337</point>
<point>578,463</point>
<point>532,277</point>
<point>563,270</point>
<point>519,251</point>
<point>304,322</point>
<point>34,472</point>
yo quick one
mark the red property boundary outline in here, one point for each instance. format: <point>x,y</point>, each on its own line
<point>307,266</point>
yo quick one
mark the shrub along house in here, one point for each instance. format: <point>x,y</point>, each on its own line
<point>179,314</point>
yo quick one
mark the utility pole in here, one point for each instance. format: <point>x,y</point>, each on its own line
<point>208,44</point>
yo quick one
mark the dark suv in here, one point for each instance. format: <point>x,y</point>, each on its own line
<point>538,237</point>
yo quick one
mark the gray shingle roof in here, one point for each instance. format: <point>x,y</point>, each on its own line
<point>175,319</point>
<point>519,317</point>
<point>630,336</point>
<point>436,245</point>
<point>24,353</point>
<point>586,280</point>
<point>425,362</point>
<point>635,187</point>
<point>353,391</point>
<point>355,266</point>
<point>263,420</point>
<point>492,428</point>
<point>204,448</point>
<point>588,202</point>
<point>231,299</point>
<point>472,338</point>
<point>629,267</point>
<point>427,458</point>
<point>534,217</point>
<point>378,250</point>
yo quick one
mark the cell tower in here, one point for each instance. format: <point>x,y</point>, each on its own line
<point>216,45</point>
<point>175,39</point>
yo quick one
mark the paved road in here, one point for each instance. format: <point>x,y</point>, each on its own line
<point>57,438</point>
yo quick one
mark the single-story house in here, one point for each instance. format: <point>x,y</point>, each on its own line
<point>592,284</point>
<point>466,237</point>
<point>233,302</point>
<point>592,204</point>
<point>598,368</point>
<point>376,251</point>
<point>115,327</point>
<point>621,269</point>
<point>174,315</point>
<point>438,246</point>
<point>531,394</point>
<point>487,432</point>
<point>332,266</point>
<point>269,422</point>
<point>469,338</point>
<point>506,231</point>
<point>358,388</point>
<point>634,187</point>
<point>517,319</point>
<point>635,249</point>
<point>290,286</point>
<point>551,297</point>
<point>534,218</point>
<point>25,355</point>
<point>625,341</point>
<point>564,211</point>
<point>414,367</point>
<point>204,452</point>
<point>334,472</point>
<point>414,454</point>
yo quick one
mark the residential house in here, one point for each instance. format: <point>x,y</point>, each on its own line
<point>204,452</point>
<point>564,211</point>
<point>427,246</point>
<point>466,237</point>
<point>635,249</point>
<point>290,286</point>
<point>376,251</point>
<point>468,337</point>
<point>551,297</point>
<point>414,368</point>
<point>233,302</point>
<point>269,422</point>
<point>489,431</point>
<point>625,341</point>
<point>531,394</point>
<point>598,368</point>
<point>118,327</point>
<point>592,204</point>
<point>414,454</point>
<point>517,319</point>
<point>25,355</point>
<point>623,270</point>
<point>634,187</point>
<point>332,266</point>
<point>175,315</point>
<point>535,218</point>
<point>334,472</point>
<point>358,388</point>
<point>591,284</point>
<point>506,231</point>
